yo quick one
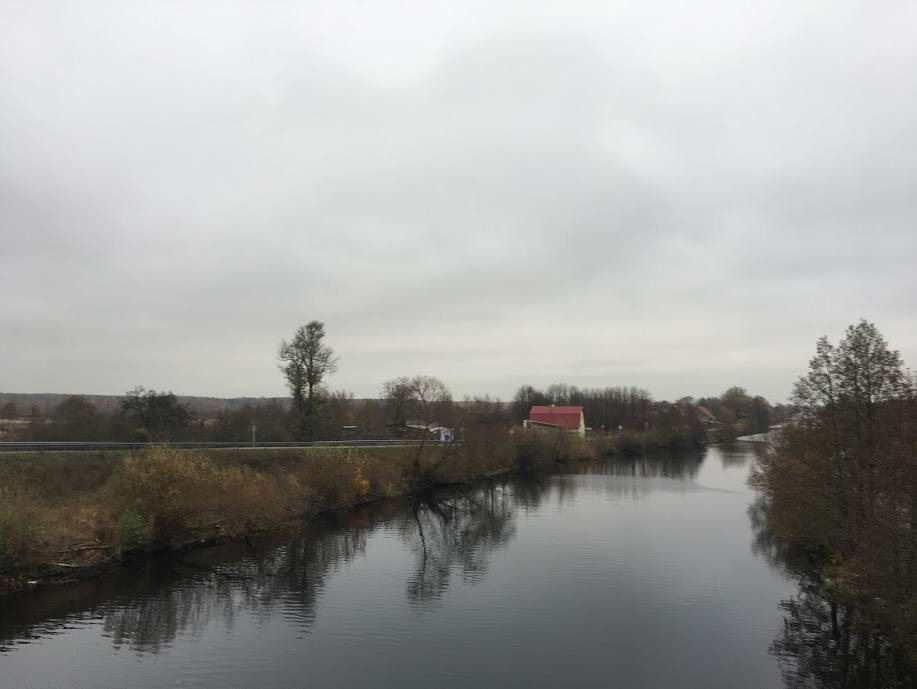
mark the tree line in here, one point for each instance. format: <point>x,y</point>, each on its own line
<point>405,406</point>
<point>613,409</point>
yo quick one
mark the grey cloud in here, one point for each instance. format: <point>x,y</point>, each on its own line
<point>680,198</point>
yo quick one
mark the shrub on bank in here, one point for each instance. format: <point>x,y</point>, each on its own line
<point>334,479</point>
<point>635,442</point>
<point>165,495</point>
<point>539,449</point>
<point>133,532</point>
<point>177,492</point>
<point>168,496</point>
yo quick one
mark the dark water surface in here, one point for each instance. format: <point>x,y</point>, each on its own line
<point>631,573</point>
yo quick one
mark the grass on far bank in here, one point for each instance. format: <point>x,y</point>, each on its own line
<point>63,473</point>
<point>85,507</point>
<point>81,508</point>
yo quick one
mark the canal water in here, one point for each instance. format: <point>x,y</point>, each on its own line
<point>638,572</point>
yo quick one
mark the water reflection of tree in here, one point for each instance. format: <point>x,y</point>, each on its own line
<point>829,645</point>
<point>737,455</point>
<point>450,533</point>
<point>288,576</point>
<point>826,643</point>
<point>455,533</point>
<point>670,465</point>
<point>149,607</point>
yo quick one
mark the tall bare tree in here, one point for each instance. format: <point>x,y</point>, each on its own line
<point>398,395</point>
<point>306,361</point>
<point>431,394</point>
<point>524,399</point>
<point>421,395</point>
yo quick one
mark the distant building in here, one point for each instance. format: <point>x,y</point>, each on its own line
<point>707,417</point>
<point>569,419</point>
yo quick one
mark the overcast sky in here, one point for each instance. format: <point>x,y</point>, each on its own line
<point>678,195</point>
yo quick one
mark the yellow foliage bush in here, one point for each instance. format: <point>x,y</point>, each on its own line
<point>167,495</point>
<point>385,476</point>
<point>335,479</point>
<point>178,491</point>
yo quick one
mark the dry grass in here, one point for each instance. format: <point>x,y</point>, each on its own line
<point>78,507</point>
<point>36,529</point>
<point>57,475</point>
<point>177,492</point>
<point>82,506</point>
<point>537,449</point>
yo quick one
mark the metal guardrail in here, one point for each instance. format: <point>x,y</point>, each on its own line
<point>103,445</point>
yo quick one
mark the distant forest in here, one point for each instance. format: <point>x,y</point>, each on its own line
<point>407,406</point>
<point>147,415</point>
<point>45,402</point>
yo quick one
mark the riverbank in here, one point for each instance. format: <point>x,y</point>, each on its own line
<point>545,555</point>
<point>71,515</point>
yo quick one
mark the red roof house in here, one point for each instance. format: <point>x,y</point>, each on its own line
<point>707,417</point>
<point>565,418</point>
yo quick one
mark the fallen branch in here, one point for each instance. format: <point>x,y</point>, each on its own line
<point>88,546</point>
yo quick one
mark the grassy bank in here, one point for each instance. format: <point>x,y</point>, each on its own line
<point>65,513</point>
<point>637,442</point>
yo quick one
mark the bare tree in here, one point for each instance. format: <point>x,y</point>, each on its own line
<point>427,396</point>
<point>525,398</point>
<point>398,395</point>
<point>156,412</point>
<point>431,394</point>
<point>305,362</point>
<point>423,395</point>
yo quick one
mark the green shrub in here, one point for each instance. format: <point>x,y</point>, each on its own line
<point>133,531</point>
